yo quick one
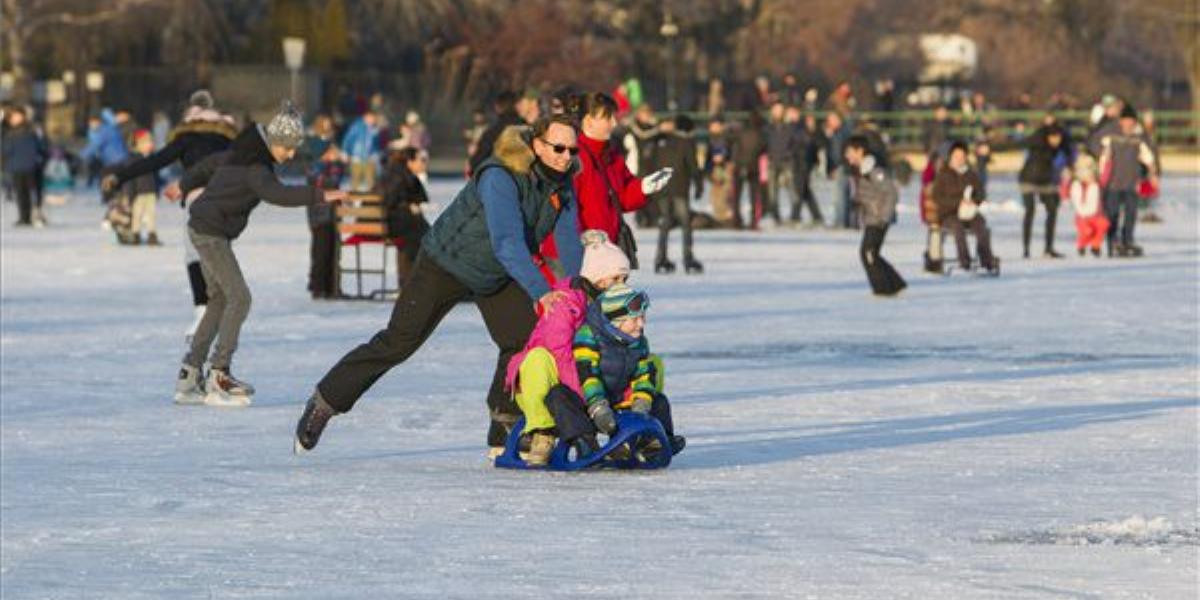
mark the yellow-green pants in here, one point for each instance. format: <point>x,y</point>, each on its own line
<point>537,374</point>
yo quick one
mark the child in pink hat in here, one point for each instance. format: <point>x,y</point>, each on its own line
<point>547,360</point>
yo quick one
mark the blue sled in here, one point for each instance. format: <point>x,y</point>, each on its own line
<point>632,428</point>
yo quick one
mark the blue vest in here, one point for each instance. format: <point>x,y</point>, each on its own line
<point>460,243</point>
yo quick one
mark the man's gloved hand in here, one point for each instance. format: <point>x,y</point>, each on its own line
<point>656,181</point>
<point>109,183</point>
<point>602,415</point>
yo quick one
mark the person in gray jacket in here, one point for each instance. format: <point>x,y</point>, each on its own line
<point>875,195</point>
<point>218,217</point>
<point>1124,155</point>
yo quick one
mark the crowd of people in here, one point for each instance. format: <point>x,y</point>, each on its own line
<point>537,237</point>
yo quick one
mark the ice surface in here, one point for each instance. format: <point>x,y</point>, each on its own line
<point>940,445</point>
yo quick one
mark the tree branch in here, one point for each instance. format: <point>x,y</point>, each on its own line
<point>68,19</point>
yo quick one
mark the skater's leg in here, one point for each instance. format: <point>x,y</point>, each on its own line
<point>868,253</point>
<point>1051,202</point>
<point>1027,223</point>
<point>536,375</point>
<point>1129,202</point>
<point>510,319</point>
<point>417,312</point>
<point>983,242</point>
<point>664,228</point>
<point>23,185</point>
<point>221,269</point>
<point>1112,210</point>
<point>205,331</point>
<point>683,216</point>
<point>953,226</point>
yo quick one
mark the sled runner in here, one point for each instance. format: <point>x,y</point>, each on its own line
<point>634,431</point>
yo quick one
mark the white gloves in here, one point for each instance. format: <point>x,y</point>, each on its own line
<point>656,181</point>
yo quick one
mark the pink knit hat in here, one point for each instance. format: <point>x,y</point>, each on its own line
<point>601,258</point>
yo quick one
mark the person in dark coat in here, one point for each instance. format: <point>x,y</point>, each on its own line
<point>326,173</point>
<point>217,218</point>
<point>673,148</point>
<point>203,132</point>
<point>403,196</point>
<point>479,249</point>
<point>23,152</point>
<point>957,193</point>
<point>1038,180</point>
<point>749,144</point>
<point>875,195</point>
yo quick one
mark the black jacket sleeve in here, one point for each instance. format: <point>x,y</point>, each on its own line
<point>150,164</point>
<point>267,187</point>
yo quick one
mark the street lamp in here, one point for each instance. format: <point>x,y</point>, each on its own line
<point>94,82</point>
<point>670,31</point>
<point>293,57</point>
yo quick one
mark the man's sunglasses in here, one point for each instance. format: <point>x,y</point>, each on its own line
<point>559,148</point>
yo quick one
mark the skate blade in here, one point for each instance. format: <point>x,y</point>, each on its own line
<point>298,449</point>
<point>217,401</point>
<point>182,399</point>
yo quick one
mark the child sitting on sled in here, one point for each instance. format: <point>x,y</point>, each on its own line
<point>613,369</point>
<point>547,364</point>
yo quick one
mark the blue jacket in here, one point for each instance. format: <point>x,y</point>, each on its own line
<point>489,233</point>
<point>361,142</point>
<point>106,142</point>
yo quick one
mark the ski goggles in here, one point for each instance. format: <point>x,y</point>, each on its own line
<point>635,306</point>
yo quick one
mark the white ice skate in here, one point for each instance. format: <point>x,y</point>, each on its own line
<point>189,390</point>
<point>223,390</point>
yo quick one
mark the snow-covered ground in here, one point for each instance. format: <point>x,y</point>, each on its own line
<point>1033,436</point>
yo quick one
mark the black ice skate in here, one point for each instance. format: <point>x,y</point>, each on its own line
<point>308,431</point>
<point>664,266</point>
<point>693,266</point>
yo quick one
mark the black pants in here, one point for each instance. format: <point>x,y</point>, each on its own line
<point>741,177</point>
<point>432,292</point>
<point>25,186</point>
<point>323,267</point>
<point>1120,206</point>
<point>805,197</point>
<point>1051,202</point>
<point>572,421</point>
<point>673,210</point>
<point>884,279</point>
<point>983,242</point>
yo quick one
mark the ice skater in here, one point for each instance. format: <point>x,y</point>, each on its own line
<point>875,195</point>
<point>203,132</point>
<point>479,249</point>
<point>217,218</point>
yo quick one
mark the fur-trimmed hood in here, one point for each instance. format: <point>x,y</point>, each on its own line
<point>513,151</point>
<point>204,121</point>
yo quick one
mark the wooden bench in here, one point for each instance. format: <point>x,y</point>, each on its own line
<point>362,219</point>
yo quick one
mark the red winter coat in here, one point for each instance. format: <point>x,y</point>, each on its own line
<point>596,211</point>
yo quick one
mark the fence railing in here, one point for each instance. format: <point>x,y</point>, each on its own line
<point>904,129</point>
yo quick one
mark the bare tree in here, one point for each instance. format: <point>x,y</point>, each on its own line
<point>22,19</point>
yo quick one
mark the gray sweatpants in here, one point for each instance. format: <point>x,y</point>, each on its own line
<point>228,302</point>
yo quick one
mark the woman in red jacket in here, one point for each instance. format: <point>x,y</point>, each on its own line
<point>603,184</point>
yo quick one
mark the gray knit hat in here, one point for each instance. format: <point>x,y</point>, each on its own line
<point>286,128</point>
<point>202,99</point>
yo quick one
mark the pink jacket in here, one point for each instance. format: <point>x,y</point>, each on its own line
<point>555,331</point>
